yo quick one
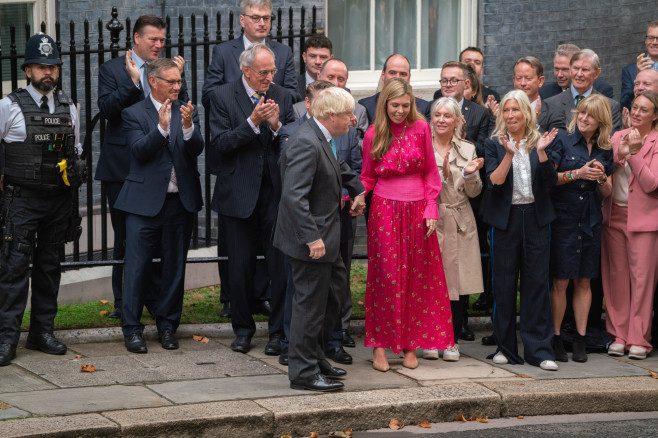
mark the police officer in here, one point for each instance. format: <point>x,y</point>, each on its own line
<point>39,133</point>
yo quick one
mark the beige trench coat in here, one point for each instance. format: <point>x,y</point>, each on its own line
<point>457,231</point>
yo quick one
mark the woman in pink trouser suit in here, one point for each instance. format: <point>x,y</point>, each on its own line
<point>629,250</point>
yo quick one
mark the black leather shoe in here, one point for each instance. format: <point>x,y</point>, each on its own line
<point>262,307</point>
<point>45,342</point>
<point>559,350</point>
<point>135,343</point>
<point>578,348</point>
<point>339,355</point>
<point>489,340</point>
<point>116,313</point>
<point>7,353</point>
<point>168,340</point>
<point>226,311</point>
<point>316,383</point>
<point>347,340</point>
<point>283,357</point>
<point>466,334</point>
<point>330,371</point>
<point>242,344</point>
<point>273,347</point>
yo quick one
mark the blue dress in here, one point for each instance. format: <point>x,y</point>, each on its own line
<point>576,233</point>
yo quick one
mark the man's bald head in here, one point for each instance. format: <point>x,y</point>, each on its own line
<point>335,71</point>
<point>646,80</point>
<point>396,66</point>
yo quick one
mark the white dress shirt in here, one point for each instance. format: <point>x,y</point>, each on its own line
<point>522,177</point>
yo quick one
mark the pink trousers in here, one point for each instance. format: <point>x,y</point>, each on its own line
<point>629,271</point>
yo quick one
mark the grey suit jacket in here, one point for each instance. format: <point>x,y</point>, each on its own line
<point>309,209</point>
<point>359,111</point>
<point>560,110</point>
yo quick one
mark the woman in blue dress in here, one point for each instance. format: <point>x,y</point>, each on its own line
<point>583,160</point>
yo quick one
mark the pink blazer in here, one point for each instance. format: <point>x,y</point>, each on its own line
<point>643,185</point>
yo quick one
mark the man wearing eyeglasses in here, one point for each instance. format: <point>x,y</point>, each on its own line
<point>160,197</point>
<point>245,117</point>
<point>256,21</point>
<point>647,60</point>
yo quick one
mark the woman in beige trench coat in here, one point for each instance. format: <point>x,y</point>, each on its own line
<point>457,233</point>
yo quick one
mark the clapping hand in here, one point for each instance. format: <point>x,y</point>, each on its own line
<point>591,171</point>
<point>164,114</point>
<point>643,62</point>
<point>131,67</point>
<point>186,112</point>
<point>546,139</point>
<point>266,111</point>
<point>474,166</point>
<point>493,106</point>
<point>635,141</point>
<point>180,63</point>
<point>625,118</point>
<point>509,148</point>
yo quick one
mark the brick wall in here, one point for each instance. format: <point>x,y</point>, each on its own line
<point>510,29</point>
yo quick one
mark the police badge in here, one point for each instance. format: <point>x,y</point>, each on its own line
<point>45,47</point>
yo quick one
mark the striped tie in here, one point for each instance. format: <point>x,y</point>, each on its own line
<point>256,97</point>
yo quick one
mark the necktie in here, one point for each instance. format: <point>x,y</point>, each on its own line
<point>333,147</point>
<point>256,97</point>
<point>44,103</point>
<point>145,80</point>
<point>578,99</point>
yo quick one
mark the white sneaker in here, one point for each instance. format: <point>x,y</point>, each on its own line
<point>548,365</point>
<point>451,354</point>
<point>431,354</point>
<point>616,350</point>
<point>500,358</point>
<point>637,352</point>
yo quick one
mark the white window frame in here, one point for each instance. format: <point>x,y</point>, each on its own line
<point>420,77</point>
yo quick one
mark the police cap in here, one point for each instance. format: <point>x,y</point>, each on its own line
<point>41,49</point>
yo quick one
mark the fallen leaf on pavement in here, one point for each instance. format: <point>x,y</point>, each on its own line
<point>87,369</point>
<point>199,338</point>
<point>395,424</point>
<point>348,432</point>
<point>104,301</point>
<point>104,313</point>
<point>77,356</point>
<point>524,376</point>
<point>314,435</point>
<point>460,417</point>
<point>473,418</point>
<point>4,406</point>
<point>483,419</point>
<point>339,434</point>
<point>286,436</point>
<point>520,417</point>
<point>654,374</point>
<point>426,424</point>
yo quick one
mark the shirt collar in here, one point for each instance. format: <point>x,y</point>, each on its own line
<point>309,79</point>
<point>250,91</point>
<point>461,104</point>
<point>139,62</point>
<point>324,130</point>
<point>156,104</point>
<point>248,43</point>
<point>37,96</point>
<point>574,93</point>
<point>534,103</point>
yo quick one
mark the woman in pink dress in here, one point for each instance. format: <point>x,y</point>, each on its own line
<point>407,305</point>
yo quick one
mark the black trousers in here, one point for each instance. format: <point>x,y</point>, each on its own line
<point>37,226</point>
<point>524,247</point>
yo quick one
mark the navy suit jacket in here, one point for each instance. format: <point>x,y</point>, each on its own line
<point>479,124</point>
<point>552,89</point>
<point>116,92</point>
<point>225,67</point>
<point>486,91</point>
<point>370,103</point>
<point>301,87</point>
<point>628,75</point>
<point>241,153</point>
<point>497,201</point>
<point>152,155</point>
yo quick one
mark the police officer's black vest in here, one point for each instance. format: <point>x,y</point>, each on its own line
<point>50,139</point>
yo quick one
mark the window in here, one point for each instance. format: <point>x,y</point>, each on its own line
<point>428,32</point>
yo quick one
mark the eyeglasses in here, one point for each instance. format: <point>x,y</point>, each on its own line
<point>651,39</point>
<point>257,18</point>
<point>171,82</point>
<point>264,73</point>
<point>452,81</point>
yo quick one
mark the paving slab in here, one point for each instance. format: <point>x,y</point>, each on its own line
<point>227,388</point>
<point>432,372</point>
<point>222,419</point>
<point>299,416</point>
<point>574,396</point>
<point>12,412</point>
<point>82,426</point>
<point>82,400</point>
<point>14,379</point>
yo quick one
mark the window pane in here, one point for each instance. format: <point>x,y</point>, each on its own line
<point>395,30</point>
<point>16,14</point>
<point>440,33</point>
<point>348,29</point>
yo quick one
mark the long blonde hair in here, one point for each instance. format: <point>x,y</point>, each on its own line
<point>597,106</point>
<point>531,134</point>
<point>393,89</point>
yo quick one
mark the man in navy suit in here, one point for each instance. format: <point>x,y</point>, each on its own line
<point>245,117</point>
<point>160,196</point>
<point>317,50</point>
<point>256,21</point>
<point>474,57</point>
<point>644,61</point>
<point>121,83</point>
<point>562,73</point>
<point>396,66</point>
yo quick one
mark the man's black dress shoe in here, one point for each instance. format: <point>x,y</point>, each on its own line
<point>242,344</point>
<point>262,307</point>
<point>466,334</point>
<point>226,311</point>
<point>135,343</point>
<point>45,342</point>
<point>273,347</point>
<point>489,340</point>
<point>339,355</point>
<point>168,340</point>
<point>283,357</point>
<point>116,313</point>
<point>327,370</point>
<point>316,383</point>
<point>7,353</point>
<point>347,340</point>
